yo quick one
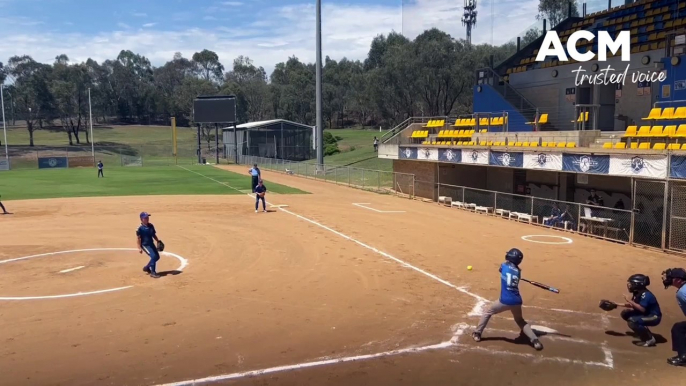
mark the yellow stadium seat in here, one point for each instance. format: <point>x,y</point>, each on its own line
<point>643,131</point>
<point>644,146</point>
<point>620,145</point>
<point>525,144</point>
<point>571,144</point>
<point>459,134</point>
<point>630,132</point>
<point>634,145</point>
<point>654,114</point>
<point>683,147</point>
<point>667,113</point>
<point>679,113</point>
<point>674,146</point>
<point>482,143</point>
<point>607,145</point>
<point>656,131</point>
<point>440,134</point>
<point>659,146</point>
<point>483,131</point>
<point>533,144</point>
<point>561,144</point>
<point>544,144</point>
<point>518,144</point>
<point>483,122</point>
<point>542,119</point>
<point>680,132</point>
<point>489,143</point>
<point>472,143</point>
<point>669,131</point>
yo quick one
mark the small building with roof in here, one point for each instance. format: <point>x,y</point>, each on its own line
<point>277,138</point>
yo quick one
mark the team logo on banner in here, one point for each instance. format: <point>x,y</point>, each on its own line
<point>585,163</point>
<point>505,159</point>
<point>52,162</point>
<point>542,159</point>
<point>427,153</point>
<point>475,155</point>
<point>449,155</point>
<point>637,164</point>
<point>408,153</point>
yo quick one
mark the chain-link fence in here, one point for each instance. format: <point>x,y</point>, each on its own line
<point>114,156</point>
<point>601,222</point>
<point>677,216</point>
<point>379,181</point>
<point>649,213</point>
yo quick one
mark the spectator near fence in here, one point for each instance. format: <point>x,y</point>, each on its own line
<point>595,200</point>
<point>376,145</point>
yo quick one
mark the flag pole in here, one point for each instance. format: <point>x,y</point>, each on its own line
<point>4,122</point>
<point>90,119</point>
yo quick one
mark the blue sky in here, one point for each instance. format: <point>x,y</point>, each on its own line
<point>268,31</point>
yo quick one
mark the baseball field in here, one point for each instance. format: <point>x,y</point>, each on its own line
<point>334,287</point>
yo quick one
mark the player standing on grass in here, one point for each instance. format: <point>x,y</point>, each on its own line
<point>510,299</point>
<point>146,234</point>
<point>256,176</point>
<point>100,166</point>
<point>260,191</point>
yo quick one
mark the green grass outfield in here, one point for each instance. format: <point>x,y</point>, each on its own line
<point>357,150</point>
<point>133,181</point>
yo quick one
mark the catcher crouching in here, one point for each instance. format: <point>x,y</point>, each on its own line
<point>260,191</point>
<point>642,311</point>
<point>147,236</point>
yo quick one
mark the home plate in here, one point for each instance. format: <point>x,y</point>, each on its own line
<point>544,329</point>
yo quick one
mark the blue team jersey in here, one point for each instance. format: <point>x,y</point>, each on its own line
<point>509,284</point>
<point>681,298</point>
<point>255,172</point>
<point>648,301</point>
<point>146,233</point>
<point>260,189</point>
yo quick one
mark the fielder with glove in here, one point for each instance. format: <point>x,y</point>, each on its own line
<point>260,191</point>
<point>146,234</point>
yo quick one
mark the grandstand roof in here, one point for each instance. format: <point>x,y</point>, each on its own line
<point>272,122</point>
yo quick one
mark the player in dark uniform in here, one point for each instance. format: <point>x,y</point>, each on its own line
<point>510,299</point>
<point>146,234</point>
<point>676,277</point>
<point>260,190</point>
<point>100,167</point>
<point>643,309</point>
<point>4,211</point>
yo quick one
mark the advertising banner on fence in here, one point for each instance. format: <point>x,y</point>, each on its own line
<point>4,164</point>
<point>52,162</point>
<point>512,160</point>
<point>450,155</point>
<point>654,166</point>
<point>586,163</point>
<point>678,166</point>
<point>544,161</point>
<point>427,154</point>
<point>408,153</point>
<point>478,157</point>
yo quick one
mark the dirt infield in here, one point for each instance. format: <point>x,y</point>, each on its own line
<point>324,287</point>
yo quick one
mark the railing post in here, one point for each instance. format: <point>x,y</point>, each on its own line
<point>633,212</point>
<point>578,220</point>
<point>495,201</point>
<point>664,216</point>
<point>532,205</point>
<point>462,195</point>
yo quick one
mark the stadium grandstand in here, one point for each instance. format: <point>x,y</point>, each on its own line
<point>537,132</point>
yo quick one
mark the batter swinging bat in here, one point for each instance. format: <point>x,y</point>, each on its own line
<point>541,285</point>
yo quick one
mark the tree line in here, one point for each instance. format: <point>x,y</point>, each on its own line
<point>431,75</point>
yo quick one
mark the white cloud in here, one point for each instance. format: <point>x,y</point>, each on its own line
<point>139,14</point>
<point>289,31</point>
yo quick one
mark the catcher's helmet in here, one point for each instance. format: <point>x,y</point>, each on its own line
<point>638,282</point>
<point>671,274</point>
<point>514,256</point>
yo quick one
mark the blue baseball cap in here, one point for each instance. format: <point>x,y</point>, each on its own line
<point>145,214</point>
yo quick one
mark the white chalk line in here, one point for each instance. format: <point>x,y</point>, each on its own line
<point>567,240</point>
<point>364,205</point>
<point>72,269</point>
<point>182,260</point>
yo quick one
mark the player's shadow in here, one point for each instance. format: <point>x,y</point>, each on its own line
<point>659,339</point>
<point>169,273</point>
<point>523,339</point>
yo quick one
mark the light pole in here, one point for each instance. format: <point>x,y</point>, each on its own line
<point>90,120</point>
<point>4,122</point>
<point>320,127</point>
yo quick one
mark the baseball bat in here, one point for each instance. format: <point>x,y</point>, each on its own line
<point>541,285</point>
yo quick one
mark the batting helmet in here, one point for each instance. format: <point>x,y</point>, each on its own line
<point>514,256</point>
<point>638,282</point>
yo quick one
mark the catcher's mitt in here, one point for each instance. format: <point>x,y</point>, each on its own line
<point>607,305</point>
<point>160,245</point>
<point>261,194</point>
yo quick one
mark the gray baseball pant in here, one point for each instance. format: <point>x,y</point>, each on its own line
<point>497,308</point>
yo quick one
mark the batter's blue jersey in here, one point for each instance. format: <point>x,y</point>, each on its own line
<point>146,233</point>
<point>509,284</point>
